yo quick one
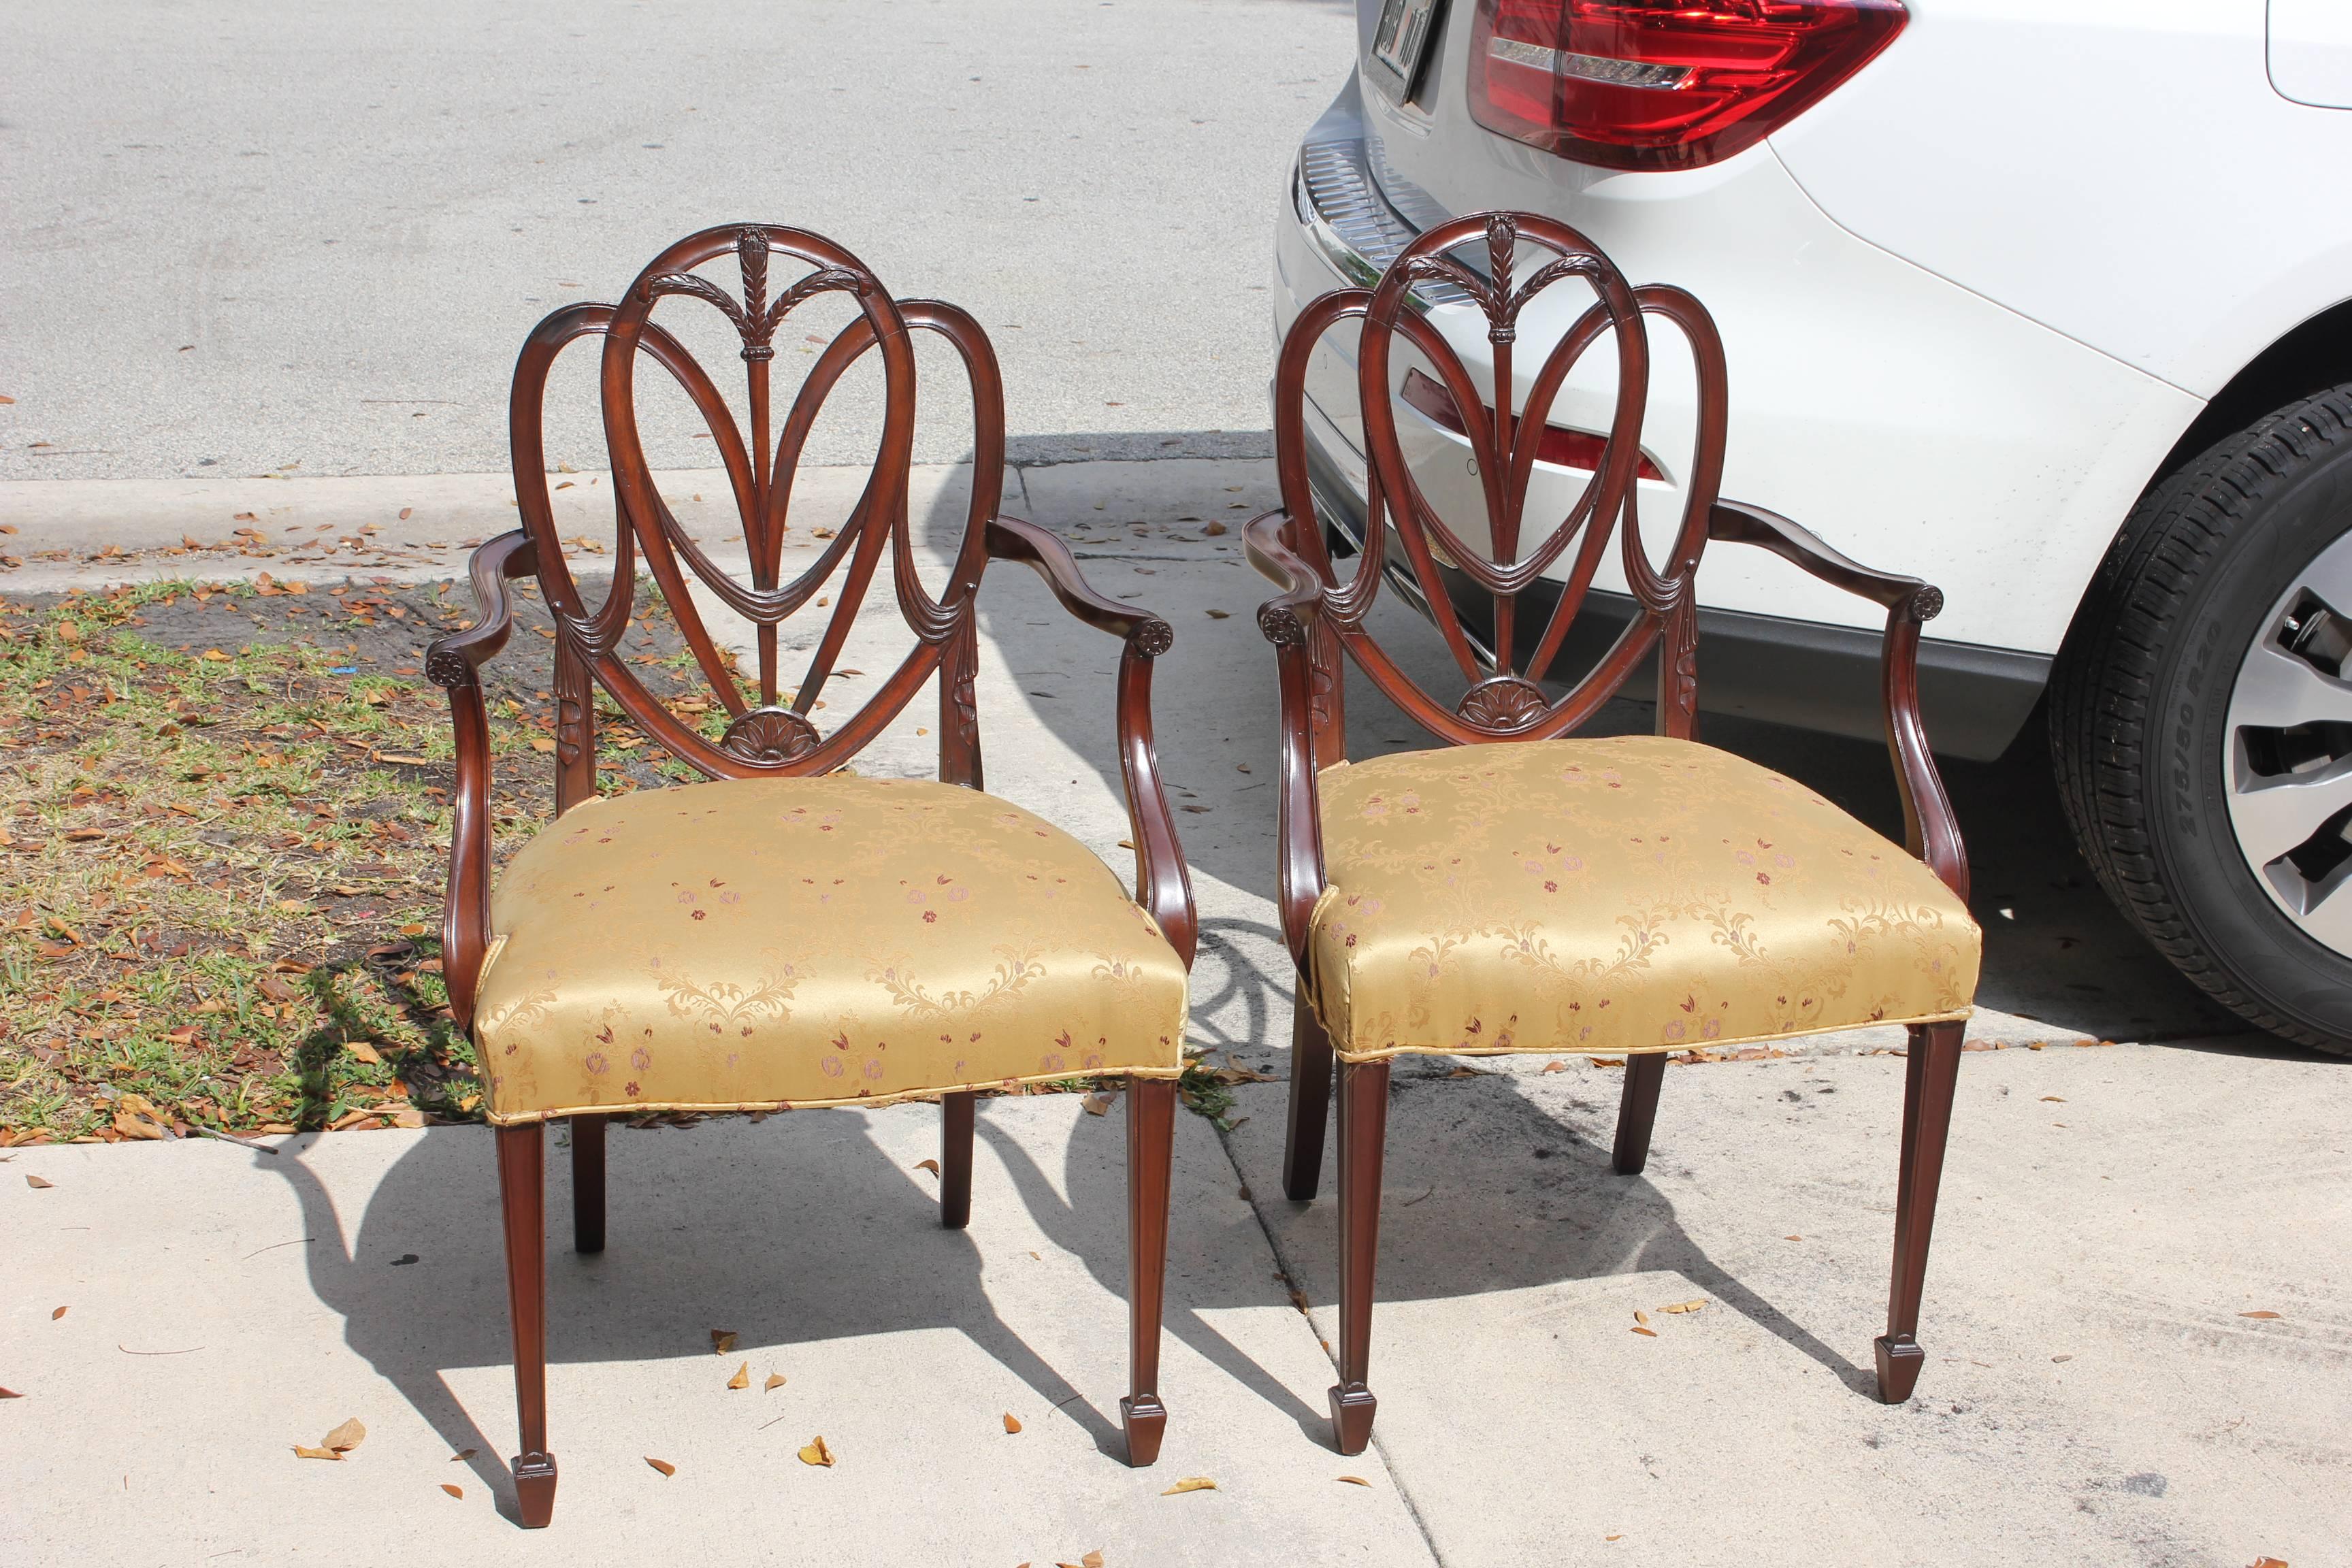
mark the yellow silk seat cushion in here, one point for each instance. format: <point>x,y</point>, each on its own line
<point>764,943</point>
<point>1625,894</point>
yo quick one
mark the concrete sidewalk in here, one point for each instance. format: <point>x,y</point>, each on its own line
<point>2093,1393</point>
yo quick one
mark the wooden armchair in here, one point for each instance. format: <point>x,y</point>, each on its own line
<point>1633,895</point>
<point>788,934</point>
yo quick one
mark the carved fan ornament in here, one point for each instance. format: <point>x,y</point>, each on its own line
<point>1503,703</point>
<point>770,735</point>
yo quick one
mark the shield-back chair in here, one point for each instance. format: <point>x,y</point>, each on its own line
<point>787,934</point>
<point>1516,890</point>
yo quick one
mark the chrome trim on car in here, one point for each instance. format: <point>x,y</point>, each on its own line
<point>1351,221</point>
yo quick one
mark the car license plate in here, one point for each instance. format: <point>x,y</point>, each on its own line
<point>1401,41</point>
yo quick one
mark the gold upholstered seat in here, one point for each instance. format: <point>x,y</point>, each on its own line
<point>766,943</point>
<point>1627,894</point>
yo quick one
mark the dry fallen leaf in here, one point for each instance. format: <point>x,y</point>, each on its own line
<point>345,1437</point>
<point>1645,1333</point>
<point>362,1051</point>
<point>1355,1480</point>
<point>1792,1239</point>
<point>1095,1104</point>
<point>10,1393</point>
<point>405,512</point>
<point>1555,1067</point>
<point>302,1453</point>
<point>454,1490</point>
<point>1192,1484</point>
<point>1091,1559</point>
<point>817,1453</point>
<point>466,1454</point>
<point>2055,1098</point>
<point>61,1312</point>
<point>2262,1315</point>
<point>664,1466</point>
<point>1685,1306</point>
<point>1640,1316</point>
<point>37,1182</point>
<point>930,1165</point>
<point>2268,1562</point>
<point>775,1381</point>
<point>721,1341</point>
<point>1011,1422</point>
<point>742,1378</point>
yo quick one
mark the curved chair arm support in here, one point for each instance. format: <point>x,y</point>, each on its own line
<point>455,663</point>
<point>1288,621</point>
<point>1163,884</point>
<point>1011,539</point>
<point>1930,829</point>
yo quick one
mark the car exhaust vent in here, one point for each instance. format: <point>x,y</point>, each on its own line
<point>1663,84</point>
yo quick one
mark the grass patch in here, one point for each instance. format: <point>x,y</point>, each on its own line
<point>224,827</point>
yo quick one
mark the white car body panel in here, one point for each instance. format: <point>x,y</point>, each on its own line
<point>2121,171</point>
<point>2311,52</point>
<point>1904,419</point>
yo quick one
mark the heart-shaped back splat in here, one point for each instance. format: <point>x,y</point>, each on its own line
<point>769,729</point>
<point>1498,264</point>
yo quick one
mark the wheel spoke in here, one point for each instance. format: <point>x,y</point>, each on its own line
<point>2276,691</point>
<point>2275,816</point>
<point>2330,920</point>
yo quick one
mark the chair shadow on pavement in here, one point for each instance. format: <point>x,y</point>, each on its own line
<point>800,1230</point>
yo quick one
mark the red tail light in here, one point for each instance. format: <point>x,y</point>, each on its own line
<point>1663,84</point>
<point>1557,444</point>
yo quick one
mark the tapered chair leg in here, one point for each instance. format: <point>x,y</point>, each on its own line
<point>1363,1130</point>
<point>1151,1142</point>
<point>955,1159</point>
<point>523,1198</point>
<point>1929,1079</point>
<point>588,1183</point>
<point>1636,1111</point>
<point>1310,1101</point>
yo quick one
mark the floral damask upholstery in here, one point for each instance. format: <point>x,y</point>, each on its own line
<point>1627,894</point>
<point>767,943</point>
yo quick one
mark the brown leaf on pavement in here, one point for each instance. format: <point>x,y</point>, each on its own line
<point>817,1454</point>
<point>721,1341</point>
<point>1645,1333</point>
<point>345,1437</point>
<point>10,1393</point>
<point>61,1312</point>
<point>2262,1315</point>
<point>775,1382</point>
<point>1355,1480</point>
<point>1011,1422</point>
<point>742,1378</point>
<point>930,1165</point>
<point>1640,1316</point>
<point>1555,1067</point>
<point>37,1183</point>
<point>1192,1484</point>
<point>664,1466</point>
<point>1091,1559</point>
<point>2055,1098</point>
<point>1095,1104</point>
<point>302,1453</point>
<point>466,1454</point>
<point>1685,1306</point>
<point>453,1489</point>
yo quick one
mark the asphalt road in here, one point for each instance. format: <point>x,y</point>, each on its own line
<point>243,236</point>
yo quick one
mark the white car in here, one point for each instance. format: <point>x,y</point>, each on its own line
<point>2046,301</point>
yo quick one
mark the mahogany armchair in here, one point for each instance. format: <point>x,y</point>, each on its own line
<point>1530,892</point>
<point>788,934</point>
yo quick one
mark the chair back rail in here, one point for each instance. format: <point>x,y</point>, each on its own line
<point>1505,700</point>
<point>774,736</point>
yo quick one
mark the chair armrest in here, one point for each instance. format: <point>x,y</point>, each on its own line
<point>1163,884</point>
<point>1011,539</point>
<point>1290,621</point>
<point>1930,831</point>
<point>454,663</point>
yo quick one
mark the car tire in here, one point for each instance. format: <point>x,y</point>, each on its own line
<point>2140,713</point>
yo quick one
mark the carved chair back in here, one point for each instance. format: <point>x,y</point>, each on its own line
<point>1506,699</point>
<point>775,734</point>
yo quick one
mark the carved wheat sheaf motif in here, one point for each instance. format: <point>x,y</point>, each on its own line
<point>756,317</point>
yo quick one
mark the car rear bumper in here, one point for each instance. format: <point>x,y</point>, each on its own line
<point>1912,425</point>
